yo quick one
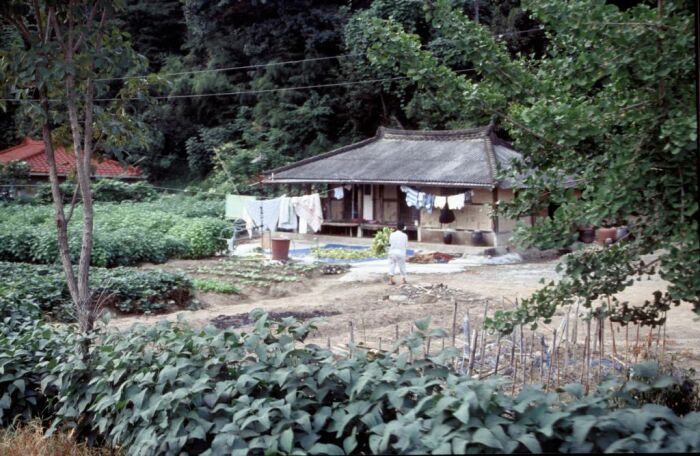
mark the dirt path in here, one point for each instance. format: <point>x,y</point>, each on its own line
<point>377,309</point>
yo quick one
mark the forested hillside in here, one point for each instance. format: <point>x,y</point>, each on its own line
<point>265,127</point>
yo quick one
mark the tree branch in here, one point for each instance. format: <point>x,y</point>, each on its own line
<point>73,202</point>
<point>88,25</point>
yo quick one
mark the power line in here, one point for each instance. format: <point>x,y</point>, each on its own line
<point>247,92</point>
<point>271,64</point>
<point>245,67</point>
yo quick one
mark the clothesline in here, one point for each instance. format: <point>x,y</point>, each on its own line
<point>428,201</point>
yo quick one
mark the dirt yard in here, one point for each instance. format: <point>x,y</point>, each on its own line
<point>377,309</point>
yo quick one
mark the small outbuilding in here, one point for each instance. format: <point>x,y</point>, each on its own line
<point>388,179</point>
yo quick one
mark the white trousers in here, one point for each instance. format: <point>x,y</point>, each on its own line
<point>397,260</point>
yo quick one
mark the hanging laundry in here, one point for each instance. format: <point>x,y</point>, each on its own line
<point>270,212</point>
<point>308,208</point>
<point>338,193</point>
<point>411,196</point>
<point>287,218</point>
<point>456,201</point>
<point>440,202</point>
<point>428,202</point>
<point>235,206</point>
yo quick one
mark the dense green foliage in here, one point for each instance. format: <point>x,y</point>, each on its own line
<point>119,289</point>
<point>170,388</point>
<point>607,104</point>
<point>124,234</point>
<point>103,190</point>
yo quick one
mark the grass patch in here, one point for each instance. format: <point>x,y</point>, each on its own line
<point>29,440</point>
<point>215,286</point>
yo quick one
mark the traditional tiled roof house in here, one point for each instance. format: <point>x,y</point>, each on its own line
<point>31,151</point>
<point>439,163</point>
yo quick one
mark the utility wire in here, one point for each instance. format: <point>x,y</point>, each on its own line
<point>245,67</point>
<point>245,92</point>
<point>272,64</point>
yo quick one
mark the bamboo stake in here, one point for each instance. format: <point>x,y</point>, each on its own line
<point>352,334</point>
<point>443,343</point>
<point>566,359</point>
<point>583,359</point>
<point>602,348</point>
<point>472,355</point>
<point>397,337</point>
<point>551,359</point>
<point>612,334</point>
<point>427,351</point>
<point>483,334</point>
<point>454,321</point>
<point>663,347</point>
<point>380,343</point>
<point>531,359</point>
<point>498,355</point>
<point>627,343</point>
<point>329,343</point>
<point>514,363</point>
<point>542,350</point>
<point>575,328</point>
<point>636,346</point>
<point>588,355</point>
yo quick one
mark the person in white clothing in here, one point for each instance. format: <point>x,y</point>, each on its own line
<point>398,243</point>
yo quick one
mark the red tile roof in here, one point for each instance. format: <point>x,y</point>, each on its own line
<point>32,152</point>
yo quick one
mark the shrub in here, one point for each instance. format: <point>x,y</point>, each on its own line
<point>123,289</point>
<point>202,234</point>
<point>124,234</point>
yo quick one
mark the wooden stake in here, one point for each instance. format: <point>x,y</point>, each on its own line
<point>627,343</point>
<point>454,322</point>
<point>514,364</point>
<point>427,351</point>
<point>663,347</point>
<point>542,350</point>
<point>397,337</point>
<point>329,343</point>
<point>636,346</point>
<point>498,354</point>
<point>602,348</point>
<point>443,343</point>
<point>380,343</point>
<point>612,334</point>
<point>352,334</point>
<point>575,327</point>
<point>588,355</point>
<point>472,355</point>
<point>551,359</point>
<point>483,334</point>
<point>364,330</point>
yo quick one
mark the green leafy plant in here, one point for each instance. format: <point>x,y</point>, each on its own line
<point>215,286</point>
<point>120,289</point>
<point>380,242</point>
<point>342,254</point>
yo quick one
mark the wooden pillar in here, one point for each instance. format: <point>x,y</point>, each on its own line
<point>494,220</point>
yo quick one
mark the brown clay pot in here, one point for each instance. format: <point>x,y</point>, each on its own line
<point>586,235</point>
<point>601,234</point>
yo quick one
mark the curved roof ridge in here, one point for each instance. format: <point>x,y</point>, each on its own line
<point>476,132</point>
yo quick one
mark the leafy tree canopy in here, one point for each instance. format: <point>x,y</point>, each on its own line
<point>607,104</point>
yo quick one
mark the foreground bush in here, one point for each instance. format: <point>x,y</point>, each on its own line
<point>124,234</point>
<point>169,389</point>
<point>121,289</point>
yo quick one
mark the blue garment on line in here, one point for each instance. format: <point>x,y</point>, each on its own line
<point>419,200</point>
